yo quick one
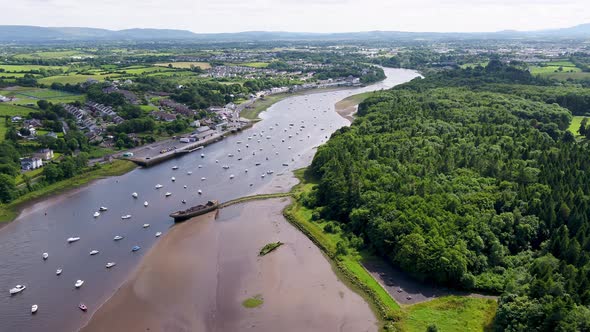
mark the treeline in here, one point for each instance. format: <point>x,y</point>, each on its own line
<point>470,189</point>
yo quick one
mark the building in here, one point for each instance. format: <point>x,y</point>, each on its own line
<point>28,164</point>
<point>163,116</point>
<point>44,154</point>
<point>196,124</point>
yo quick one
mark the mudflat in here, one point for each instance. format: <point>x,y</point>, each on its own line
<point>197,277</point>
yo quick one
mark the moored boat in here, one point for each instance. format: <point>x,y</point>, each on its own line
<point>58,271</point>
<point>82,307</point>
<point>45,256</point>
<point>134,195</point>
<point>73,239</point>
<point>94,252</point>
<point>118,237</point>
<point>135,248</point>
<point>145,203</point>
<point>17,289</point>
<point>168,194</point>
<point>127,216</point>
<point>146,225</point>
<point>79,283</point>
<point>195,211</point>
<point>96,214</point>
<point>34,308</point>
<point>110,264</point>
<point>158,234</point>
<point>103,208</point>
<point>158,186</point>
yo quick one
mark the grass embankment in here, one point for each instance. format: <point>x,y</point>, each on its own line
<point>267,249</point>
<point>261,105</point>
<point>575,125</point>
<point>253,302</point>
<point>118,167</point>
<point>253,198</point>
<point>450,313</point>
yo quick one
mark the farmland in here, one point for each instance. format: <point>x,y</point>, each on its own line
<point>185,65</point>
<point>24,95</point>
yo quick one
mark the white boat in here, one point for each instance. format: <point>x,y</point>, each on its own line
<point>158,186</point>
<point>183,201</point>
<point>17,289</point>
<point>127,216</point>
<point>263,175</point>
<point>173,179</point>
<point>269,172</point>
<point>225,167</point>
<point>79,283</point>
<point>34,308</point>
<point>174,167</point>
<point>216,161</point>
<point>230,155</point>
<point>73,239</point>
<point>158,234</point>
<point>134,195</point>
<point>145,203</point>
<point>203,178</point>
<point>58,271</point>
<point>200,166</point>
<point>168,194</point>
<point>45,255</point>
<point>146,225</point>
<point>199,192</point>
<point>231,176</point>
<point>202,155</point>
<point>184,186</point>
<point>257,164</point>
<point>189,173</point>
<point>246,170</point>
<point>102,208</point>
<point>117,238</point>
<point>94,252</point>
<point>96,214</point>
<point>110,264</point>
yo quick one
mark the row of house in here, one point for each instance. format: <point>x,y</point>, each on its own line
<point>100,109</point>
<point>177,107</point>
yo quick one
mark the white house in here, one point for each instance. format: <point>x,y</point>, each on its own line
<point>28,164</point>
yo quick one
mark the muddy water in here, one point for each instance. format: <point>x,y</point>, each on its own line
<point>198,276</point>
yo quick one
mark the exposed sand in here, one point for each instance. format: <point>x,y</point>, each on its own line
<point>347,107</point>
<point>196,277</point>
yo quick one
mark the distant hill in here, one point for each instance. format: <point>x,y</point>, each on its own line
<point>34,34</point>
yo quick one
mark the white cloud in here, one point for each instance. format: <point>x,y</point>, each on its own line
<point>300,15</point>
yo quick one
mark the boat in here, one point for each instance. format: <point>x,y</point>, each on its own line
<point>231,176</point>
<point>134,195</point>
<point>45,256</point>
<point>269,172</point>
<point>173,179</point>
<point>110,264</point>
<point>94,252</point>
<point>183,201</point>
<point>189,173</point>
<point>203,178</point>
<point>127,216</point>
<point>17,289</point>
<point>200,166</point>
<point>230,155</point>
<point>96,214</point>
<point>58,271</point>
<point>199,192</point>
<point>263,175</point>
<point>79,283</point>
<point>158,186</point>
<point>195,211</point>
<point>145,203</point>
<point>174,167</point>
<point>34,308</point>
<point>257,164</point>
<point>246,170</point>
<point>158,234</point>
<point>135,248</point>
<point>285,164</point>
<point>73,239</point>
<point>216,161</point>
<point>118,237</point>
<point>225,167</point>
<point>202,155</point>
<point>82,307</point>
<point>184,186</point>
<point>146,225</point>
<point>168,194</point>
<point>102,208</point>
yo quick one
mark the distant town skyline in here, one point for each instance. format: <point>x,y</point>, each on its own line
<point>300,15</point>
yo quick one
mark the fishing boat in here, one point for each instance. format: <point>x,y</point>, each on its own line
<point>58,271</point>
<point>94,252</point>
<point>134,195</point>
<point>34,308</point>
<point>168,194</point>
<point>158,234</point>
<point>110,264</point>
<point>82,307</point>
<point>195,211</point>
<point>102,208</point>
<point>146,225</point>
<point>96,214</point>
<point>135,248</point>
<point>158,186</point>
<point>127,216</point>
<point>174,167</point>
<point>145,203</point>
<point>79,283</point>
<point>73,239</point>
<point>17,289</point>
<point>118,238</point>
<point>45,256</point>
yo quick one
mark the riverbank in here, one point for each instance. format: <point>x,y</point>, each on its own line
<point>348,106</point>
<point>294,286</point>
<point>9,212</point>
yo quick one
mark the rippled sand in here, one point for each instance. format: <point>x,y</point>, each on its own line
<point>197,276</point>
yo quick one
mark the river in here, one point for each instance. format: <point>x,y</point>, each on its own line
<point>303,122</point>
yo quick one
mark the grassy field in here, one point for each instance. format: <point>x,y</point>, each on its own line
<point>10,110</point>
<point>72,79</point>
<point>185,65</point>
<point>352,100</point>
<point>118,167</point>
<point>262,105</point>
<point>52,54</point>
<point>252,64</point>
<point>473,65</point>
<point>28,68</point>
<point>451,313</point>
<point>575,125</point>
<point>551,69</point>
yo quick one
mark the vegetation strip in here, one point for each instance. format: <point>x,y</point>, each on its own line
<point>269,248</point>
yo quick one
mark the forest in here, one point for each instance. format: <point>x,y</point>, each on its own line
<point>463,184</point>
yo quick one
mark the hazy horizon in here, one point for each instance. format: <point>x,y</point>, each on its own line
<point>320,16</point>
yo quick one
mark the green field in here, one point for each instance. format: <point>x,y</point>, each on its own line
<point>551,69</point>
<point>72,79</point>
<point>473,65</point>
<point>250,64</point>
<point>185,65</point>
<point>27,68</point>
<point>575,125</point>
<point>52,55</point>
<point>27,95</point>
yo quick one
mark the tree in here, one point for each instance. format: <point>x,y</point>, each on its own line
<point>7,188</point>
<point>43,104</point>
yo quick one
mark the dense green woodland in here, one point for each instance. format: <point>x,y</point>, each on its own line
<point>469,188</point>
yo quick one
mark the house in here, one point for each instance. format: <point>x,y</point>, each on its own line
<point>219,126</point>
<point>17,119</point>
<point>196,124</point>
<point>33,123</point>
<point>44,154</point>
<point>28,164</point>
<point>3,99</point>
<point>163,116</point>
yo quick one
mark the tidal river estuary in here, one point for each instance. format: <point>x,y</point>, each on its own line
<point>195,276</point>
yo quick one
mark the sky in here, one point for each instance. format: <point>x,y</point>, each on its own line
<point>207,16</point>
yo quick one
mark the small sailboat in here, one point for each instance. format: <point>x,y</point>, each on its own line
<point>189,173</point>
<point>118,238</point>
<point>168,194</point>
<point>58,271</point>
<point>200,166</point>
<point>82,307</point>
<point>34,308</point>
<point>158,186</point>
<point>79,283</point>
<point>146,225</point>
<point>174,167</point>
<point>110,264</point>
<point>96,214</point>
<point>94,252</point>
<point>203,178</point>
<point>45,256</point>
<point>135,248</point>
<point>17,289</point>
<point>200,192</point>
<point>127,216</point>
<point>134,195</point>
<point>173,179</point>
<point>202,155</point>
<point>145,203</point>
<point>231,176</point>
<point>184,186</point>
<point>158,234</point>
<point>73,239</point>
<point>102,208</point>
